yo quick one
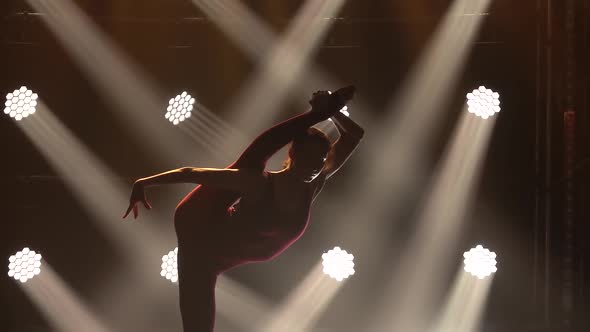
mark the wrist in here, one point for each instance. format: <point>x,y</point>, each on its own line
<point>320,113</point>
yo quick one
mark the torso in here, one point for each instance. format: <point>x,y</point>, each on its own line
<point>283,200</point>
<point>278,214</point>
<point>290,197</point>
<point>265,222</point>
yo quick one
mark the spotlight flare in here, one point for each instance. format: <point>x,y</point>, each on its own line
<point>179,108</point>
<point>338,264</point>
<point>483,102</point>
<point>20,103</point>
<point>24,265</point>
<point>480,262</point>
<point>170,265</point>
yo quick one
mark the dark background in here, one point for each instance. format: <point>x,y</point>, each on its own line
<point>373,46</point>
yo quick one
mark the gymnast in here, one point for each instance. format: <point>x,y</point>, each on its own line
<point>242,213</point>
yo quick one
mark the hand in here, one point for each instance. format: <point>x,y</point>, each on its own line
<point>323,101</point>
<point>137,195</point>
<point>320,99</point>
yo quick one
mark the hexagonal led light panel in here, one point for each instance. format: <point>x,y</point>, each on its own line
<point>483,102</point>
<point>170,265</point>
<point>24,265</point>
<point>20,103</point>
<point>179,108</point>
<point>338,264</point>
<point>480,262</point>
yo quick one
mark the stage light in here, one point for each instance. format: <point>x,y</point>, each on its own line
<point>24,265</point>
<point>179,108</point>
<point>480,262</point>
<point>338,264</point>
<point>483,102</point>
<point>170,265</point>
<point>20,103</point>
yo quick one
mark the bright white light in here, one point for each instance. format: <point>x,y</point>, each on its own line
<point>170,265</point>
<point>338,264</point>
<point>20,103</point>
<point>179,108</point>
<point>343,110</point>
<point>483,102</point>
<point>24,265</point>
<point>480,262</point>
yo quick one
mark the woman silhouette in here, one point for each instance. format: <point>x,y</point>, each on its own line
<point>243,213</point>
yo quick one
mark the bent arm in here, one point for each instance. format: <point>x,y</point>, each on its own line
<point>347,127</point>
<point>272,140</point>
<point>350,136</point>
<point>269,142</point>
<point>233,179</point>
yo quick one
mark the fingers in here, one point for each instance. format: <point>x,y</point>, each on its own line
<point>128,210</point>
<point>133,207</point>
<point>147,205</point>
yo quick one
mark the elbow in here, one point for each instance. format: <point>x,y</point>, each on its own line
<point>188,175</point>
<point>185,170</point>
<point>360,133</point>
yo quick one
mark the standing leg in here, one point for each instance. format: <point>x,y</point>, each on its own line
<point>196,291</point>
<point>199,222</point>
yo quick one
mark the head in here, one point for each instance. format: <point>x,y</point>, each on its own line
<point>307,154</point>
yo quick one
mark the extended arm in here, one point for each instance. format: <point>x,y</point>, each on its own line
<point>240,180</point>
<point>270,141</point>
<point>232,179</point>
<point>350,136</point>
